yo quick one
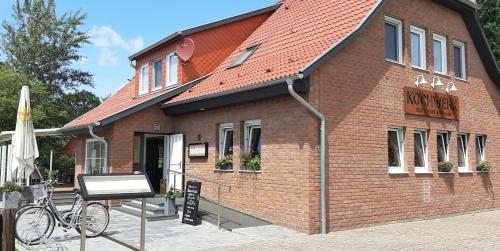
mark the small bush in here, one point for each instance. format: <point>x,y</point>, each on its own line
<point>251,161</point>
<point>10,187</point>
<point>224,163</point>
<point>484,166</point>
<point>173,194</point>
<point>445,166</point>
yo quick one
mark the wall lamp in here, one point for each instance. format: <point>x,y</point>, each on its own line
<point>436,82</point>
<point>452,89</point>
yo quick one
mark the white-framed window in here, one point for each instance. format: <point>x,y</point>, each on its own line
<point>480,148</point>
<point>462,141</point>
<point>443,141</point>
<point>395,143</point>
<point>420,151</point>
<point>157,68</point>
<point>440,55</point>
<point>172,69</point>
<point>95,159</point>
<point>252,132</point>
<point>417,47</point>
<point>225,140</point>
<point>144,80</point>
<point>459,60</point>
<point>393,39</point>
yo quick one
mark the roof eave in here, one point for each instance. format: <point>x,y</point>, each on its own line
<point>179,34</point>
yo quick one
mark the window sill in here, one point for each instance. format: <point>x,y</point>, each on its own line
<point>442,74</point>
<point>395,62</point>
<point>398,173</point>
<point>224,171</point>
<point>419,69</point>
<point>484,172</point>
<point>446,172</point>
<point>462,80</point>
<point>249,171</point>
<point>423,172</point>
<point>170,85</point>
<point>469,171</point>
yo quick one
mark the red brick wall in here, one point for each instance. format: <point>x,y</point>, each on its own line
<point>212,46</point>
<point>284,192</point>
<point>362,95</point>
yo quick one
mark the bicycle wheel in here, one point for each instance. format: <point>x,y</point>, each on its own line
<point>33,224</point>
<point>97,219</point>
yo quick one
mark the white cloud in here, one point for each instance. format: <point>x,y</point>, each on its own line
<point>107,57</point>
<point>104,36</point>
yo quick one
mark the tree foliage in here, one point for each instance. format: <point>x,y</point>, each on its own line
<point>489,15</point>
<point>43,46</point>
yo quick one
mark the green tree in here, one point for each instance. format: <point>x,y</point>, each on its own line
<point>43,46</point>
<point>489,15</point>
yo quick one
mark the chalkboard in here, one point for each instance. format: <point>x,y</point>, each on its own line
<point>191,202</point>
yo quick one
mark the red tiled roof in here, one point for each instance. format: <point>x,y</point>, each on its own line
<point>120,101</point>
<point>296,34</point>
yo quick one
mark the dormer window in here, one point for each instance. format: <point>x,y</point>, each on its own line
<point>144,80</point>
<point>244,56</point>
<point>172,69</point>
<point>157,74</point>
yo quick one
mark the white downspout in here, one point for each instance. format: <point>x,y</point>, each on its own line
<point>91,131</point>
<point>322,146</point>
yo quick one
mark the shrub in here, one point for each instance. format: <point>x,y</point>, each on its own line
<point>224,163</point>
<point>445,166</point>
<point>484,166</point>
<point>251,161</point>
<point>173,194</point>
<point>10,187</point>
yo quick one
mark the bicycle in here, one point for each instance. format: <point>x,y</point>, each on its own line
<point>36,222</point>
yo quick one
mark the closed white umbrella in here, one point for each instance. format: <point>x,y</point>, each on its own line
<point>25,149</point>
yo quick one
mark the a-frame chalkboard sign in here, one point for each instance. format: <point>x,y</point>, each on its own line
<point>191,203</point>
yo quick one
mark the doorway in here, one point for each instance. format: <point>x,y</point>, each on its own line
<point>154,161</point>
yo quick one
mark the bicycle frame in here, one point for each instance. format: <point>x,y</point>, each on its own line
<point>49,204</point>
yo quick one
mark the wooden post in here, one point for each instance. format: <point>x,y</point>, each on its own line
<point>8,229</point>
<point>1,227</point>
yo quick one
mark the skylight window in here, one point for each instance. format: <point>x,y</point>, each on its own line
<point>244,56</point>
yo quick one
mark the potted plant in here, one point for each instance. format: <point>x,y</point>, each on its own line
<point>11,195</point>
<point>484,166</point>
<point>224,163</point>
<point>170,208</point>
<point>445,166</point>
<point>251,161</point>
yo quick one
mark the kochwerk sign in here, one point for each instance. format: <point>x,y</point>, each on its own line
<point>431,104</point>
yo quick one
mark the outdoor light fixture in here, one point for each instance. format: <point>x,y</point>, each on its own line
<point>436,82</point>
<point>420,81</point>
<point>451,89</point>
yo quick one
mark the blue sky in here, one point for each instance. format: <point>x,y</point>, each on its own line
<point>120,28</point>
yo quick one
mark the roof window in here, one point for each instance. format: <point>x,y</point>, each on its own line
<point>244,56</point>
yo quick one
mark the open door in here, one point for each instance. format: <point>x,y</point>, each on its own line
<point>175,144</point>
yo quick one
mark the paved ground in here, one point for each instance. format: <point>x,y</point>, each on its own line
<point>163,235</point>
<point>479,231</point>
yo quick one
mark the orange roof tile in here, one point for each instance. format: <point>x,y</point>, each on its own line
<point>297,33</point>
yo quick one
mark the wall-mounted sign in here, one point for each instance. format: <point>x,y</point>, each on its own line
<point>156,127</point>
<point>431,104</point>
<point>198,150</point>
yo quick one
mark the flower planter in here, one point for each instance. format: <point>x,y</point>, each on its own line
<point>226,166</point>
<point>11,200</point>
<point>169,209</point>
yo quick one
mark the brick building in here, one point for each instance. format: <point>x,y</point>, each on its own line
<point>403,87</point>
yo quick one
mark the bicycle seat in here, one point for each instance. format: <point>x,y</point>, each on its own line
<point>76,190</point>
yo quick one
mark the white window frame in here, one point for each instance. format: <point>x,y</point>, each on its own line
<point>222,137</point>
<point>444,59</point>
<point>446,144</point>
<point>399,26</point>
<point>143,87</point>
<point>423,136</point>
<point>481,148</point>
<point>461,45</point>
<point>155,88</point>
<point>167,80</point>
<point>423,48</point>
<point>400,134</point>
<point>104,158</point>
<point>460,138</point>
<point>248,132</point>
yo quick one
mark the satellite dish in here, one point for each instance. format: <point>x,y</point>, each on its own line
<point>185,49</point>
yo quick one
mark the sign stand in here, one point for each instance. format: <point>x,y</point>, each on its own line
<point>114,187</point>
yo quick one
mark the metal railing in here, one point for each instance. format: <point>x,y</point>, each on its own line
<point>218,183</point>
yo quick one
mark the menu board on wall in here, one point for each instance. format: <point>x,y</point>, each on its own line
<point>191,203</point>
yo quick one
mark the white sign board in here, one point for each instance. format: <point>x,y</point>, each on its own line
<point>115,186</point>
<point>198,150</point>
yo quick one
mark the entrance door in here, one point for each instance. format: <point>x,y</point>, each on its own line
<point>175,144</point>
<point>154,161</point>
